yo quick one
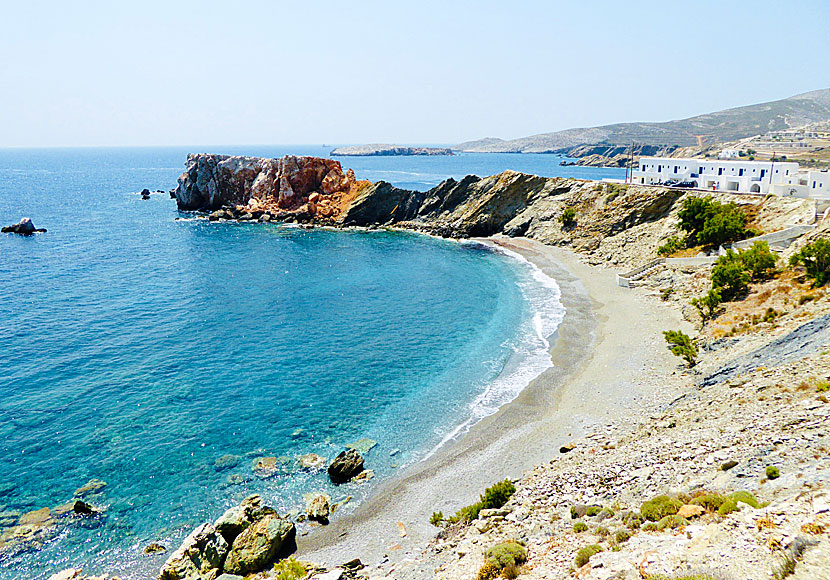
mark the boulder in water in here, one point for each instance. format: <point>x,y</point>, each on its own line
<point>24,227</point>
<point>345,466</point>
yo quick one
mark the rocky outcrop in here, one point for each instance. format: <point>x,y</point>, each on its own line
<point>386,150</point>
<point>211,181</point>
<point>246,538</point>
<point>24,227</point>
<point>318,507</point>
<point>345,466</point>
<point>200,557</point>
<point>258,545</point>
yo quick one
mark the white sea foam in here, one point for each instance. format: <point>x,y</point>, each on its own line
<point>531,353</point>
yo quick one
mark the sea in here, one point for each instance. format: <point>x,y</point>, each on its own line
<point>163,355</point>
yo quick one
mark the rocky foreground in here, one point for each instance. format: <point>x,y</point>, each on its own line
<point>722,473</point>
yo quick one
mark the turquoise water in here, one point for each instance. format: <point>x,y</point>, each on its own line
<point>137,348</point>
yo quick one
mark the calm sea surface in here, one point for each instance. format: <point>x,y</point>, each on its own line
<point>138,349</point>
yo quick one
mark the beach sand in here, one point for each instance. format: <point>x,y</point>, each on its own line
<point>609,356</point>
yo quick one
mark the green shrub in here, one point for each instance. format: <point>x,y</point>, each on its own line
<point>488,571</point>
<point>772,472</point>
<point>822,386</point>
<point>289,569</point>
<point>621,536</point>
<point>506,554</point>
<point>708,306</point>
<point>729,275</point>
<point>584,554</point>
<point>606,513</point>
<point>580,527</point>
<point>672,522</point>
<point>659,507</point>
<point>602,531</point>
<point>710,222</point>
<point>672,245</point>
<point>493,497</point>
<point>497,495</point>
<point>665,293</point>
<point>730,504</point>
<point>681,345</point>
<point>711,501</point>
<point>436,518</point>
<point>815,258</point>
<point>568,217</point>
<point>806,298</point>
<point>593,510</point>
<point>759,261</point>
<point>649,527</point>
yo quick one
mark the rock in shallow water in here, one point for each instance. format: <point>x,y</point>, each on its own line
<point>345,466</point>
<point>317,507</point>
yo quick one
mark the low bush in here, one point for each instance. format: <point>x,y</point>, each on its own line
<point>593,510</point>
<point>729,275</point>
<point>710,502</point>
<point>672,522</point>
<point>659,507</point>
<point>580,527</point>
<point>621,536</point>
<point>708,306</point>
<point>673,244</point>
<point>493,497</point>
<point>289,569</point>
<point>815,258</point>
<point>504,558</point>
<point>805,298</point>
<point>759,261</point>
<point>772,472</point>
<point>603,532</point>
<point>436,518</point>
<point>730,503</point>
<point>665,293</point>
<point>584,554</point>
<point>568,217</point>
<point>681,345</point>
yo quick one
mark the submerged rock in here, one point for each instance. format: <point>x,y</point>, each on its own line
<point>154,548</point>
<point>363,445</point>
<point>345,466</point>
<point>226,462</point>
<point>258,545</point>
<point>311,461</point>
<point>91,487</point>
<point>24,227</point>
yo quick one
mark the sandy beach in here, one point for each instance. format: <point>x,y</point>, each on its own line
<point>608,357</point>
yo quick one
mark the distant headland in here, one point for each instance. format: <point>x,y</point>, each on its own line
<point>381,149</point>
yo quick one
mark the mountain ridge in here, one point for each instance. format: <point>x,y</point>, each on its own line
<point>726,125</point>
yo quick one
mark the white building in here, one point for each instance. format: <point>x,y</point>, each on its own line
<point>729,154</point>
<point>716,174</point>
<point>810,184</point>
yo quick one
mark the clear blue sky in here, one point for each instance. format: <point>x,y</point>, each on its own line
<point>272,72</point>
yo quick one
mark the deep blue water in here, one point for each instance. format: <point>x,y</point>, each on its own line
<point>137,348</point>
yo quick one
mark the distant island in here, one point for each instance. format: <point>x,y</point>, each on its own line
<point>379,149</point>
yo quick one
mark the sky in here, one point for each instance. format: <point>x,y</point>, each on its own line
<point>175,72</point>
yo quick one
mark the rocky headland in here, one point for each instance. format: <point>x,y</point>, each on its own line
<point>624,461</point>
<point>382,149</point>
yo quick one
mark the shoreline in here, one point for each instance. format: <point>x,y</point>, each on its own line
<point>598,355</point>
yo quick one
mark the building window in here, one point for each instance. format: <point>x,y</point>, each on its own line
<point>740,172</point>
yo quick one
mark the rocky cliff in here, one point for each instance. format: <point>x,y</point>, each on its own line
<point>213,181</point>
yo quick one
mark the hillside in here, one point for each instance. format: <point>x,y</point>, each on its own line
<point>727,125</point>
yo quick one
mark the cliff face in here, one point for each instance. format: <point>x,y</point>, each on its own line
<point>211,181</point>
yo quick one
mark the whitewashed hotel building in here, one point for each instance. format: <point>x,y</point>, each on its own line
<point>716,174</point>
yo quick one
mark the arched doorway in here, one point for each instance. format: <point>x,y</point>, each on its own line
<point>755,188</point>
